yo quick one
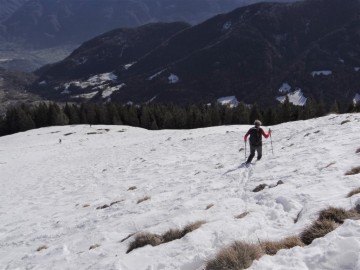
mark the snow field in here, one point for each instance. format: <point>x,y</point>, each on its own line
<point>50,193</point>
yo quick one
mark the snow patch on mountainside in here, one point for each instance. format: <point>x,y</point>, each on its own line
<point>103,82</point>
<point>297,98</point>
<point>109,91</point>
<point>285,88</point>
<point>100,78</point>
<point>321,72</point>
<point>127,66</point>
<point>230,101</point>
<point>86,95</point>
<point>173,78</point>
<point>356,99</point>
<point>156,74</point>
<point>226,26</point>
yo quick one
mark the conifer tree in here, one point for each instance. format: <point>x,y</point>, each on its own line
<point>41,113</point>
<point>113,115</point>
<point>228,115</point>
<point>168,121</point>
<point>254,114</point>
<point>154,125</point>
<point>320,109</point>
<point>71,112</point>
<point>145,118</point>
<point>56,116</point>
<point>215,115</point>
<point>270,117</point>
<point>131,116</point>
<point>335,108</point>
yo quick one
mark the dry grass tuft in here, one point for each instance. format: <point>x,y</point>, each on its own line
<point>132,188</point>
<point>237,256</point>
<point>42,248</point>
<point>143,199</point>
<point>94,246</point>
<point>335,214</point>
<point>260,187</point>
<point>209,206</point>
<point>116,202</point>
<point>103,206</point>
<point>353,214</point>
<point>86,205</point>
<point>353,171</point>
<point>127,237</point>
<point>318,229</point>
<point>172,235</point>
<point>193,226</point>
<point>271,248</point>
<point>144,239</point>
<point>242,215</point>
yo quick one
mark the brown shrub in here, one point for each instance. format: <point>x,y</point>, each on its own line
<point>353,171</point>
<point>172,235</point>
<point>318,229</point>
<point>143,199</point>
<point>127,237</point>
<point>242,215</point>
<point>144,239</point>
<point>209,206</point>
<point>42,248</point>
<point>94,246</point>
<point>103,206</point>
<point>354,214</point>
<point>116,202</point>
<point>237,256</point>
<point>271,248</point>
<point>193,226</point>
<point>260,187</point>
<point>335,214</point>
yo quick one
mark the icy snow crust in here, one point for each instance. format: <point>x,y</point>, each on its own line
<point>50,191</point>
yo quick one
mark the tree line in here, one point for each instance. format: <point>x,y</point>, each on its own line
<point>156,116</point>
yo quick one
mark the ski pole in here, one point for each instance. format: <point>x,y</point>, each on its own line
<point>245,151</point>
<point>272,150</point>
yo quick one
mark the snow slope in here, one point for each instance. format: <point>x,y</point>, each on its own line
<point>50,192</point>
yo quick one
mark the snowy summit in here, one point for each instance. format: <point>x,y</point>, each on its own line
<point>80,203</point>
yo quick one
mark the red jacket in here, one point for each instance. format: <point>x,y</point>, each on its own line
<point>262,132</point>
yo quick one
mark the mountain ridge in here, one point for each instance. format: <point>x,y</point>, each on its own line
<point>249,52</point>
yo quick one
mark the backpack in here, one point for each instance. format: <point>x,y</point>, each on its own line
<point>255,136</point>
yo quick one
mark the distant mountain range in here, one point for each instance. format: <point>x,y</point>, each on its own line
<point>44,23</point>
<point>37,32</point>
<point>8,7</point>
<point>13,89</point>
<point>259,53</point>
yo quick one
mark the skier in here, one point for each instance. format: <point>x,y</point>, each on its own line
<point>256,134</point>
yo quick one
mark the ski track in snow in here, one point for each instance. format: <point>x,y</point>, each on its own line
<point>50,191</point>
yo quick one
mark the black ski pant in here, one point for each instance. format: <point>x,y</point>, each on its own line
<point>253,148</point>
